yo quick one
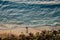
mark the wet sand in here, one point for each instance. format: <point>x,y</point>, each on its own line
<point>20,29</point>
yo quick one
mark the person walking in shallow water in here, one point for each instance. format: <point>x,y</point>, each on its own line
<point>26,29</point>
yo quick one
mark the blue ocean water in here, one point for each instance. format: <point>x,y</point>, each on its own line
<point>29,14</point>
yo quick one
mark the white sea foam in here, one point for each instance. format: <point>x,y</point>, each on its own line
<point>36,1</point>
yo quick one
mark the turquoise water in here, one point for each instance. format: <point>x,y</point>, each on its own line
<point>29,14</point>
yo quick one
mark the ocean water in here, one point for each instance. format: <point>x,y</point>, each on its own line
<point>29,14</point>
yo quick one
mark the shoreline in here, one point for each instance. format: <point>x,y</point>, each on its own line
<point>17,29</point>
